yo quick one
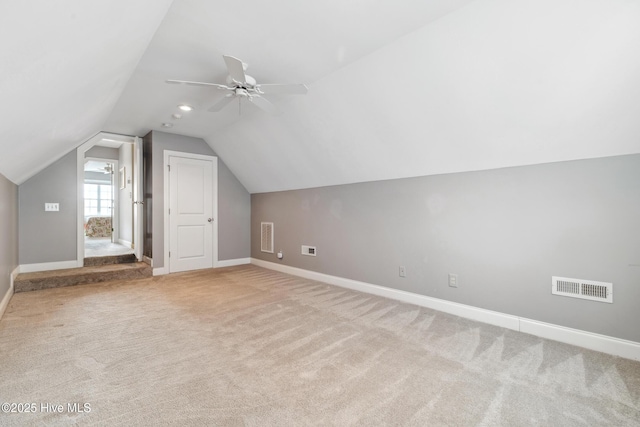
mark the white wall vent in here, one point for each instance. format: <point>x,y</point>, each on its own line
<point>266,237</point>
<point>308,250</point>
<point>585,289</point>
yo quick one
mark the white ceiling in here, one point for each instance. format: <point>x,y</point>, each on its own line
<point>396,88</point>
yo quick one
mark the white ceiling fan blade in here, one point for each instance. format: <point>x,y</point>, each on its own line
<point>221,104</point>
<point>285,89</point>
<point>263,104</point>
<point>235,68</point>
<point>196,83</point>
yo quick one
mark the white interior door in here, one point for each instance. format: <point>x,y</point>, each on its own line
<point>191,221</point>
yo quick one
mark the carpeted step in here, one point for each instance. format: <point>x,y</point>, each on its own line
<point>80,276</point>
<point>113,259</point>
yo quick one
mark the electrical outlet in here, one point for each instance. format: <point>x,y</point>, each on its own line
<point>453,280</point>
<point>403,271</point>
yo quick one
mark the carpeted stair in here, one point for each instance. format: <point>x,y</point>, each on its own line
<point>98,269</point>
<point>112,259</point>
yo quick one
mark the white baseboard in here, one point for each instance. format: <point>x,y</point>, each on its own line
<point>125,243</point>
<point>596,342</point>
<point>9,294</point>
<point>232,262</point>
<point>160,271</point>
<point>147,260</point>
<point>47,266</point>
<point>601,343</point>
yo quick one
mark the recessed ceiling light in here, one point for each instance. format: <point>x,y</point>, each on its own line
<point>185,107</point>
<point>176,116</point>
<point>167,125</point>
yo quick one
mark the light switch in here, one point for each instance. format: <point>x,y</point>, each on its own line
<point>51,207</point>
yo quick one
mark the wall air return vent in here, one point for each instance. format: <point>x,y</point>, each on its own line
<point>585,289</point>
<point>266,237</point>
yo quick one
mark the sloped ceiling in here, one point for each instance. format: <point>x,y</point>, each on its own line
<point>396,88</point>
<point>63,66</point>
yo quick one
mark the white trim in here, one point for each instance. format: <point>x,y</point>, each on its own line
<point>147,260</point>
<point>165,164</point>
<point>125,243</point>
<point>46,266</point>
<point>233,262</point>
<point>138,198</point>
<point>160,271</point>
<point>597,342</point>
<point>9,294</point>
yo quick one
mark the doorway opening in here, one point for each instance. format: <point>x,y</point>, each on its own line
<point>102,210</point>
<point>109,208</point>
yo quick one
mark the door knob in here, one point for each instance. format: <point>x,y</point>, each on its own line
<point>210,220</point>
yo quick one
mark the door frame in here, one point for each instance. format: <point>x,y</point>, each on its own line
<point>80,153</point>
<point>137,199</point>
<point>214,186</point>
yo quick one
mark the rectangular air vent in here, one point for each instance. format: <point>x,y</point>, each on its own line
<point>585,289</point>
<point>308,250</point>
<point>266,237</point>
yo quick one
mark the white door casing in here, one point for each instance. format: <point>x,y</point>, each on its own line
<point>138,202</point>
<point>115,213</point>
<point>191,215</point>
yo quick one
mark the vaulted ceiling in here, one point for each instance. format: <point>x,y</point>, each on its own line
<point>397,88</point>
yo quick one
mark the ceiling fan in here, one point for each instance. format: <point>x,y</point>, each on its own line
<point>240,85</point>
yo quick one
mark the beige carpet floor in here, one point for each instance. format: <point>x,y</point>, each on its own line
<point>245,346</point>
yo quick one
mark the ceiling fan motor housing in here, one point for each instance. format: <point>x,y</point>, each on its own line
<point>249,83</point>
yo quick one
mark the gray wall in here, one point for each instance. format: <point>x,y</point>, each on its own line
<point>504,232</point>
<point>8,232</point>
<point>49,236</point>
<point>234,213</point>
<point>234,202</point>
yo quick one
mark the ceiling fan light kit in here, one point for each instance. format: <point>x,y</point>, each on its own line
<point>240,85</point>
